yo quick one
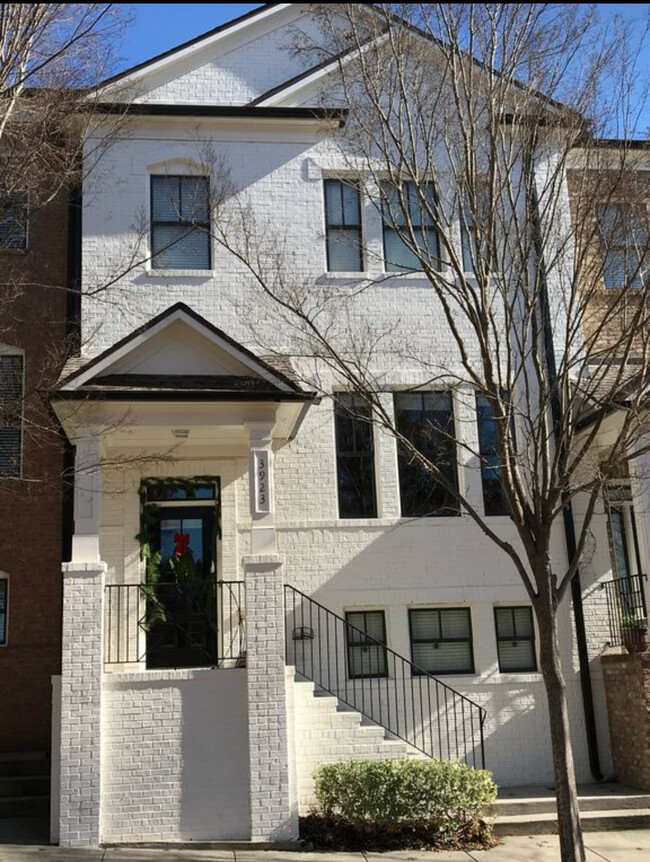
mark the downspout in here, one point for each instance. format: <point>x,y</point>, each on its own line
<point>567,514</point>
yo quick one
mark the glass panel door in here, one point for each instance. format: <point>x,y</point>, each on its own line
<point>181,611</point>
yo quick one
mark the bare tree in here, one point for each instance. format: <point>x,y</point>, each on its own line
<point>51,55</point>
<point>470,128</point>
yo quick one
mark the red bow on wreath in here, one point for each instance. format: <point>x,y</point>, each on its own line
<point>181,542</point>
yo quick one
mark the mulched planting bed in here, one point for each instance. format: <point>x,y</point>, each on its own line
<point>335,833</point>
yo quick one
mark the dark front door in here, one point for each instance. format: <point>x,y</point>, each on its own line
<point>181,589</point>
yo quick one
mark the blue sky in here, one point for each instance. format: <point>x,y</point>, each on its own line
<point>158,26</point>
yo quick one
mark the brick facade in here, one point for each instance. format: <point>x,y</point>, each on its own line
<point>33,302</point>
<point>627,687</point>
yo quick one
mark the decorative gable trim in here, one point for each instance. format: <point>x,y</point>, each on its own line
<point>104,361</point>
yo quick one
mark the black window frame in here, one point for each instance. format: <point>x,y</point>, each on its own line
<point>511,639</point>
<point>352,645</point>
<point>364,457</point>
<point>328,184</point>
<point>388,222</point>
<point>13,420</point>
<point>4,609</point>
<point>417,671</point>
<point>449,509</point>
<point>486,468</point>
<point>191,223</point>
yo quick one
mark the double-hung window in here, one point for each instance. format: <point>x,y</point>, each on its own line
<point>366,639</point>
<point>180,222</point>
<point>355,457</point>
<point>13,223</point>
<point>11,401</point>
<point>441,640</point>
<point>409,211</point>
<point>515,639</point>
<point>4,609</point>
<point>343,226</point>
<point>494,500</point>
<point>625,245</point>
<point>426,421</point>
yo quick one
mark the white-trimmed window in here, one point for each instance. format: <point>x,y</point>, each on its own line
<point>343,232</point>
<point>441,640</point>
<point>11,400</point>
<point>403,210</point>
<point>515,632</point>
<point>180,222</point>
<point>4,608</point>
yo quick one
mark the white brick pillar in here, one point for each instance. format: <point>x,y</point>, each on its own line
<point>261,487</point>
<point>87,497</point>
<point>274,814</point>
<point>81,703</point>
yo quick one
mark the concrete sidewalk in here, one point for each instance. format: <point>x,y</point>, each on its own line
<point>633,846</point>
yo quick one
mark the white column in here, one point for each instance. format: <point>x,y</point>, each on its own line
<point>274,812</point>
<point>81,695</point>
<point>87,494</point>
<point>261,487</point>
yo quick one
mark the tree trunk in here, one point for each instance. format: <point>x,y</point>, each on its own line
<point>568,815</point>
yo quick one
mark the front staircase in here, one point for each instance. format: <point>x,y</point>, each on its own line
<point>24,785</point>
<point>325,731</point>
<point>357,698</point>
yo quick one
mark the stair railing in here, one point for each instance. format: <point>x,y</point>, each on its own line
<point>368,676</point>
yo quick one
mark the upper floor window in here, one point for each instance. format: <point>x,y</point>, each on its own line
<point>426,420</point>
<point>624,538</point>
<point>494,501</point>
<point>13,223</point>
<point>343,226</point>
<point>180,222</point>
<point>355,458</point>
<point>11,397</point>
<point>4,596</point>
<point>412,212</point>
<point>625,242</point>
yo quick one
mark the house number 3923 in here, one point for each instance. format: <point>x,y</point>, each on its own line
<point>262,488</point>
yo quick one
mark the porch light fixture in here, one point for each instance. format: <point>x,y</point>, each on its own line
<point>302,633</point>
<point>181,433</point>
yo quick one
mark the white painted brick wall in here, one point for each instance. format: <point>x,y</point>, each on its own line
<point>387,562</point>
<point>81,704</point>
<point>273,811</point>
<point>175,755</point>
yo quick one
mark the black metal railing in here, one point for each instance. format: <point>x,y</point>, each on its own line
<point>366,675</point>
<point>173,625</point>
<point>626,606</point>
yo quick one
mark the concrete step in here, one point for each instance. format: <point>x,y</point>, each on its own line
<point>592,821</point>
<point>24,806</point>
<point>24,785</point>
<point>608,796</point>
<point>24,763</point>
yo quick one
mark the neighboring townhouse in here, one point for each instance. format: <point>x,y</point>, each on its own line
<point>190,712</point>
<point>34,256</point>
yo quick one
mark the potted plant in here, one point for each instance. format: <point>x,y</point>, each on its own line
<point>634,630</point>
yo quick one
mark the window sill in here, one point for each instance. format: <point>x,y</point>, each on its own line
<point>179,273</point>
<point>380,276</point>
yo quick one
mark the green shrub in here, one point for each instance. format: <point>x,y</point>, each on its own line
<point>449,800</point>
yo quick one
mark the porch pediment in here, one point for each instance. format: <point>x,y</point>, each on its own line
<point>176,354</point>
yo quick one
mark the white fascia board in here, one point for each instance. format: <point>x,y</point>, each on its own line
<point>190,50</point>
<point>96,369</point>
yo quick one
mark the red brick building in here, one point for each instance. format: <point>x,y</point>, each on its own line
<point>34,309</point>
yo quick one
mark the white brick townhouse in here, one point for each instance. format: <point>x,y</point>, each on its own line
<point>236,534</point>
